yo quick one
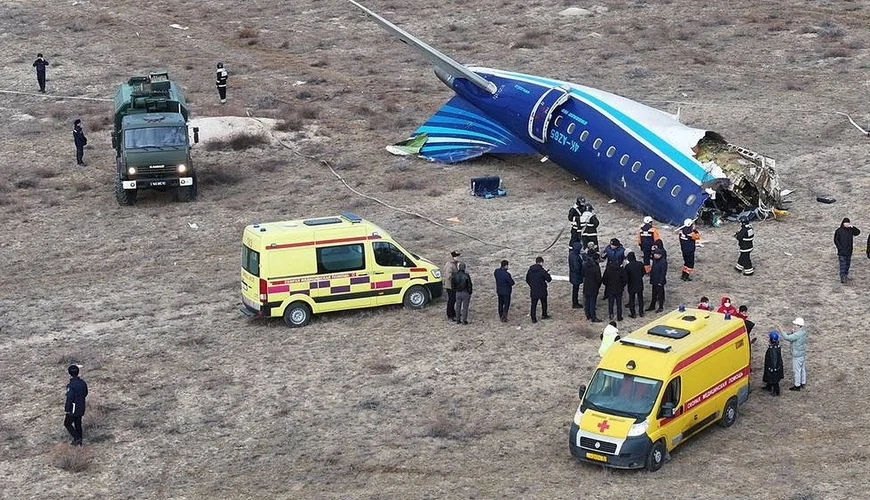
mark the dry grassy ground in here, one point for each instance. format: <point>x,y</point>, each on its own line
<point>191,400</point>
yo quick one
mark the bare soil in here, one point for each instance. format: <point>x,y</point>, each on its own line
<point>189,399</point>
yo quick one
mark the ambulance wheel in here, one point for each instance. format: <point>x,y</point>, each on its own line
<point>416,297</point>
<point>729,414</point>
<point>656,457</point>
<point>125,197</point>
<point>297,314</point>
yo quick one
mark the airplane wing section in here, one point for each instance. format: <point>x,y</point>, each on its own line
<point>459,131</point>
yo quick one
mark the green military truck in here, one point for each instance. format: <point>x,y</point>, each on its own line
<point>151,140</point>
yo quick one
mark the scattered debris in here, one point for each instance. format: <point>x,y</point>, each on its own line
<point>575,12</point>
<point>192,225</point>
<point>178,26</point>
<point>826,199</point>
<point>612,200</point>
<point>453,219</point>
<point>298,83</point>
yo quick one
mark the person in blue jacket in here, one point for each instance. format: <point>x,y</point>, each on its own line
<point>76,393</point>
<point>504,284</point>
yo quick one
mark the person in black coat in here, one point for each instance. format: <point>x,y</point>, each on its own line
<point>634,273</point>
<point>773,369</point>
<point>591,284</point>
<point>76,392</point>
<point>463,287</point>
<point>80,141</point>
<point>658,276</point>
<point>504,284</point>
<point>575,273</point>
<point>40,63</point>
<point>537,278</point>
<point>614,280</point>
<point>843,237</point>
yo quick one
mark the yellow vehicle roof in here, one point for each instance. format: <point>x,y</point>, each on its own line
<point>321,230</point>
<point>672,342</point>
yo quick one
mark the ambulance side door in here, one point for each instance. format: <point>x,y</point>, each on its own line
<point>672,414</point>
<point>343,278</point>
<point>390,272</point>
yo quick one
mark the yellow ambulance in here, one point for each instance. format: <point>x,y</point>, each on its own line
<point>293,269</point>
<point>660,385</point>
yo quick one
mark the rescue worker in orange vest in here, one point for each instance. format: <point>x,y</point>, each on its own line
<point>688,236</point>
<point>645,239</point>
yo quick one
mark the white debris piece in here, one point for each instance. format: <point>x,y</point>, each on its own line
<point>556,277</point>
<point>178,26</point>
<point>575,12</point>
<point>192,225</point>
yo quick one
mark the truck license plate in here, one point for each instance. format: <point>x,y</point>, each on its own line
<point>596,456</point>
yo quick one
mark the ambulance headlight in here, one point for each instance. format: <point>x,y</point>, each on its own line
<point>182,168</point>
<point>436,273</point>
<point>131,171</point>
<point>578,414</point>
<point>639,429</point>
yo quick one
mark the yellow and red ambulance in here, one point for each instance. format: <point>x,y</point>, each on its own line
<point>294,269</point>
<point>660,385</point>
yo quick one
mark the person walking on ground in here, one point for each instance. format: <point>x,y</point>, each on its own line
<point>658,276</point>
<point>773,370</point>
<point>614,252</point>
<point>463,289</point>
<point>634,273</point>
<point>745,236</point>
<point>504,284</point>
<point>614,280</point>
<point>726,307</point>
<point>574,214</point>
<point>537,278</point>
<point>447,273</point>
<point>589,226</point>
<point>221,82</point>
<point>798,340</point>
<point>608,337</point>
<point>689,236</point>
<point>80,142</point>
<point>591,285</point>
<point>40,63</point>
<point>76,393</point>
<point>575,273</point>
<point>843,237</point>
<point>646,238</point>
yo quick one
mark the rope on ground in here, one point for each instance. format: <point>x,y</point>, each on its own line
<point>40,94</point>
<point>328,165</point>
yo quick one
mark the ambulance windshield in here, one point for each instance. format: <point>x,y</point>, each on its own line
<point>622,394</point>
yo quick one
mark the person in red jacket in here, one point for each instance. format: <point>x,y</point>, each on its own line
<point>725,307</point>
<point>704,305</point>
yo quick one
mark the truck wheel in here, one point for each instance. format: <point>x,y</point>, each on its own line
<point>297,314</point>
<point>656,457</point>
<point>416,297</point>
<point>729,414</point>
<point>188,193</point>
<point>125,197</point>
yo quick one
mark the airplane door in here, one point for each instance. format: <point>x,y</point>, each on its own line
<point>542,113</point>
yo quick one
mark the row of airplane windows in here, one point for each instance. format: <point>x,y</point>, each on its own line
<point>623,161</point>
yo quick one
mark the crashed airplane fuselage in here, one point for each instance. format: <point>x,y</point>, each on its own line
<point>641,156</point>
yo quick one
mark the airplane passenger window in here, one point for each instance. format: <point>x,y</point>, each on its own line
<point>596,144</point>
<point>624,160</point>
<point>635,167</point>
<point>611,151</point>
<point>584,135</point>
<point>661,183</point>
<point>571,127</point>
<point>690,199</point>
<point>675,191</point>
<point>557,120</point>
<point>650,174</point>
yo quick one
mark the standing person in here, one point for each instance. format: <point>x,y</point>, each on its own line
<point>646,238</point>
<point>744,240</point>
<point>614,252</point>
<point>773,370</point>
<point>798,340</point>
<point>76,392</point>
<point>591,285</point>
<point>537,278</point>
<point>743,313</point>
<point>704,304</point>
<point>589,226</point>
<point>504,284</point>
<point>634,272</point>
<point>575,273</point>
<point>574,214</point>
<point>689,235</point>
<point>462,288</point>
<point>608,337</point>
<point>449,270</point>
<point>726,307</point>
<point>614,280</point>
<point>658,276</point>
<point>843,241</point>
<point>221,82</point>
<point>40,63</point>
<point>80,142</point>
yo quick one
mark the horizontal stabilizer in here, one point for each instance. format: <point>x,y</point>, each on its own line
<point>459,131</point>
